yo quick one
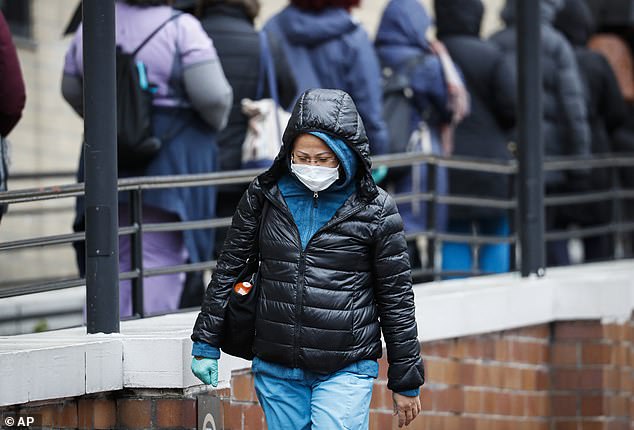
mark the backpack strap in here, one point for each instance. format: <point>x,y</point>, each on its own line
<point>159,28</point>
<point>410,64</point>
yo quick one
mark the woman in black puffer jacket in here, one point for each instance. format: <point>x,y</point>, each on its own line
<point>334,274</point>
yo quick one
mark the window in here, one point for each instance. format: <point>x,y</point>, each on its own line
<point>18,16</point>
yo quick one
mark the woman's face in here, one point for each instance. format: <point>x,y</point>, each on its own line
<point>309,149</point>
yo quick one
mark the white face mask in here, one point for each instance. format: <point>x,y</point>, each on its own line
<point>316,178</point>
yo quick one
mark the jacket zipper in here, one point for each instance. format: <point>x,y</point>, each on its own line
<point>302,264</point>
<point>300,288</point>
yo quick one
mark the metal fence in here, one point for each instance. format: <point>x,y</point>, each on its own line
<point>619,226</point>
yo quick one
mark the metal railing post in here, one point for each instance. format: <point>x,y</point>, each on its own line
<point>100,131</point>
<point>530,145</point>
<point>618,248</point>
<point>432,219</point>
<point>136,252</point>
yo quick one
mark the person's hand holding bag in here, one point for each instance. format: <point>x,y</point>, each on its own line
<point>206,369</point>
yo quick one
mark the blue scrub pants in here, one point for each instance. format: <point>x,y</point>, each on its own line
<point>340,400</point>
<point>493,258</point>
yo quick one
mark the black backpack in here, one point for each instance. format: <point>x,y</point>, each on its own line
<point>397,108</point>
<point>136,144</point>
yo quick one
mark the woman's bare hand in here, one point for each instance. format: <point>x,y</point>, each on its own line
<point>407,408</point>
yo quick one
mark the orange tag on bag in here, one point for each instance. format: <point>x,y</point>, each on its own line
<point>243,288</point>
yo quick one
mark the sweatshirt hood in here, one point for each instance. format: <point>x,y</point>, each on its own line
<point>458,17</point>
<point>549,9</point>
<point>404,23</point>
<point>576,22</point>
<point>308,28</point>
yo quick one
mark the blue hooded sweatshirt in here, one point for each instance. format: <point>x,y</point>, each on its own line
<point>329,49</point>
<point>312,210</point>
<point>402,36</point>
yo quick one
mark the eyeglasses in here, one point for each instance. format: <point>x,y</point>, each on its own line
<point>326,161</point>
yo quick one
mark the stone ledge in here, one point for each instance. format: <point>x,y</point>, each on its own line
<point>155,352</point>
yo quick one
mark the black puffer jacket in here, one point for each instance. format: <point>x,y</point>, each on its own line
<point>604,102</point>
<point>319,308</point>
<point>565,127</point>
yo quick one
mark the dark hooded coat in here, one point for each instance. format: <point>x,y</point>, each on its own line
<point>604,102</point>
<point>238,46</point>
<point>565,127</point>
<point>323,307</point>
<point>492,87</point>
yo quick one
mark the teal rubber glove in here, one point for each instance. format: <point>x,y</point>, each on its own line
<point>379,173</point>
<point>206,369</point>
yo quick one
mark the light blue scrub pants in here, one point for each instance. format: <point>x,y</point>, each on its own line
<point>340,400</point>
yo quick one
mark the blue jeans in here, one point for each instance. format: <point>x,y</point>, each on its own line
<point>340,400</point>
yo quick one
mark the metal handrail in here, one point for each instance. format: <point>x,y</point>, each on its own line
<point>137,185</point>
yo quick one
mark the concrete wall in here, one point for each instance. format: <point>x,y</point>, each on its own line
<point>48,137</point>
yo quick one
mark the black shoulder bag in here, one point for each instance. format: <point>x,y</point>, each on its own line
<point>239,323</point>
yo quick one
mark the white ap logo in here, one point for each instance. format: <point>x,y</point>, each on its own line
<point>209,423</point>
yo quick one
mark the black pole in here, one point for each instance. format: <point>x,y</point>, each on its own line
<point>530,144</point>
<point>136,212</point>
<point>100,131</point>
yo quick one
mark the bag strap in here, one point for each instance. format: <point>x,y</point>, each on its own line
<point>267,73</point>
<point>265,211</point>
<point>267,69</point>
<point>147,39</point>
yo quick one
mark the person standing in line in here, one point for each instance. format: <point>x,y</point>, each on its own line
<point>12,98</point>
<point>402,37</point>
<point>617,49</point>
<point>565,129</point>
<point>190,104</point>
<point>606,114</point>
<point>484,134</point>
<point>327,48</point>
<point>334,274</point>
<point>229,23</point>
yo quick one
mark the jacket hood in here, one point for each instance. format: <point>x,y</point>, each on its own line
<point>404,22</point>
<point>576,22</point>
<point>458,17</point>
<point>549,9</point>
<point>333,113</point>
<point>308,28</point>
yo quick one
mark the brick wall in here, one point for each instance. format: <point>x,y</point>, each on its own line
<point>574,375</point>
<point>117,410</point>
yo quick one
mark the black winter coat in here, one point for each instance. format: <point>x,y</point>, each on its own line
<point>238,47</point>
<point>604,102</point>
<point>565,127</point>
<point>323,308</point>
<point>492,87</point>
